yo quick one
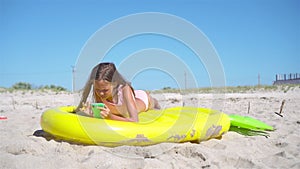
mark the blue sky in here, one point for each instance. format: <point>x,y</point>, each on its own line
<point>41,40</point>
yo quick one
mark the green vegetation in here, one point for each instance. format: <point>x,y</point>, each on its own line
<point>230,89</point>
<point>23,86</point>
<point>54,88</point>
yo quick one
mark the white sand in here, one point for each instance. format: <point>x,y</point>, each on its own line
<point>20,149</point>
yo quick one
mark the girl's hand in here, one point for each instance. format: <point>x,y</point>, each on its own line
<point>105,112</point>
<point>87,109</point>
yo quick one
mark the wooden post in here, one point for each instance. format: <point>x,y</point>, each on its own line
<point>248,107</point>
<point>281,109</point>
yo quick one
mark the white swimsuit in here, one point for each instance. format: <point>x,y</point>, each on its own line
<point>139,94</point>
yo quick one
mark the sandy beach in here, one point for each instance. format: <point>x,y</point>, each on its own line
<point>20,149</point>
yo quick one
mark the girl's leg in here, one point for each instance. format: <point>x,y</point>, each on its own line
<point>153,103</point>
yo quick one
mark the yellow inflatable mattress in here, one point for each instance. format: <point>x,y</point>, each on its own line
<point>178,124</point>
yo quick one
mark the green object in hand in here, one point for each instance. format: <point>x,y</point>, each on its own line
<point>96,110</point>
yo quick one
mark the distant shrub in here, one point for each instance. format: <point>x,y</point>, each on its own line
<point>28,86</point>
<point>166,88</point>
<point>53,87</point>
<point>22,86</point>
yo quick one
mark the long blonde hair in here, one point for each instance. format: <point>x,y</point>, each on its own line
<point>102,71</point>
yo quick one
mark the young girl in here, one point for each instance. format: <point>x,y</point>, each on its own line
<point>121,101</point>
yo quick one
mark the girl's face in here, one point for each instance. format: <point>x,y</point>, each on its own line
<point>103,89</point>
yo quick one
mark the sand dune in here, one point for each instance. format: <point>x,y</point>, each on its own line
<point>20,149</point>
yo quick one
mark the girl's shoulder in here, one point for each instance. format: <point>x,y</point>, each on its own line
<point>127,90</point>
<point>124,86</point>
<point>121,89</point>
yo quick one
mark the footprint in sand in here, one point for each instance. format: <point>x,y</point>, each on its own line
<point>281,145</point>
<point>219,146</point>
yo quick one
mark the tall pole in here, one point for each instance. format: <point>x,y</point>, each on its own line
<point>185,83</point>
<point>258,80</point>
<point>73,78</point>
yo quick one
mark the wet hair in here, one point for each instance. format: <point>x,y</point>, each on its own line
<point>103,71</point>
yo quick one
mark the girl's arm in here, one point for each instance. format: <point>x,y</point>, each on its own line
<point>105,113</point>
<point>119,118</point>
<point>129,101</point>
